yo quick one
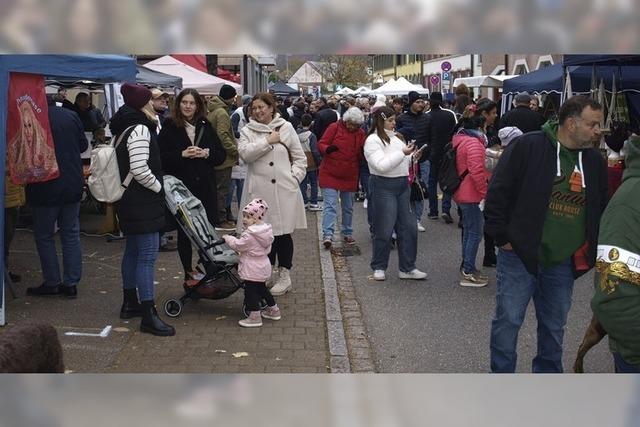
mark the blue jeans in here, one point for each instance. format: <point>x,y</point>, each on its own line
<point>235,184</point>
<point>392,210</point>
<point>44,220</point>
<point>312,179</point>
<point>471,235</point>
<point>140,254</point>
<point>551,290</point>
<point>622,367</point>
<point>433,192</point>
<point>418,208</point>
<point>330,211</point>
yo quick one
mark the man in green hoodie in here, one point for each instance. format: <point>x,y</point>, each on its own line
<point>616,302</point>
<point>543,208</point>
<point>218,108</point>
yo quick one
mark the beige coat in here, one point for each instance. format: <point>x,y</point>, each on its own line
<point>271,176</point>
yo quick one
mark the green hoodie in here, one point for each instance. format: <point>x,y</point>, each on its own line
<point>616,301</point>
<point>221,122</point>
<point>564,230</point>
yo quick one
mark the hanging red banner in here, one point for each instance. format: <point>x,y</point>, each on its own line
<point>30,151</point>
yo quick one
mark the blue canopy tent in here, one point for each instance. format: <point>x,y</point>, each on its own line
<point>96,68</point>
<point>550,80</point>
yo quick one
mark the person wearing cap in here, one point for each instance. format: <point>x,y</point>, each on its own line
<point>435,130</point>
<point>522,116</point>
<point>190,151</point>
<point>543,209</point>
<point>160,101</point>
<point>141,208</point>
<point>58,202</point>
<point>218,115</point>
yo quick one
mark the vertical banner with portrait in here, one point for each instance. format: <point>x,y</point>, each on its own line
<point>31,155</point>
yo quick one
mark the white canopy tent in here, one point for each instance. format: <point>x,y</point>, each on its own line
<point>483,81</point>
<point>401,86</point>
<point>204,83</point>
<point>345,91</point>
<point>362,90</point>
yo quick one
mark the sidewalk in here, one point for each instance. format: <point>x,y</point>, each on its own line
<point>208,338</point>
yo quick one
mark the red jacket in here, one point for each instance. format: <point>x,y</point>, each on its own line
<point>470,156</point>
<point>339,170</point>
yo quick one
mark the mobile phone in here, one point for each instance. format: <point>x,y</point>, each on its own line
<point>424,147</point>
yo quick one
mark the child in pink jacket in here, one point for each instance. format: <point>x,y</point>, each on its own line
<point>254,246</point>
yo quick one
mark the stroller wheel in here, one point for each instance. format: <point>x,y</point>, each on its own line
<point>173,307</point>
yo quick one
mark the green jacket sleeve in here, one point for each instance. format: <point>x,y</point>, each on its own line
<point>222,124</point>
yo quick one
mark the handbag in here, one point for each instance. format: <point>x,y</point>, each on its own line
<point>419,191</point>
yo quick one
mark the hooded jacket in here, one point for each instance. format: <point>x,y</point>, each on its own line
<point>141,209</point>
<point>274,173</point>
<point>519,194</point>
<point>220,120</point>
<point>339,170</point>
<point>69,142</point>
<point>470,156</point>
<point>253,246</point>
<point>616,301</point>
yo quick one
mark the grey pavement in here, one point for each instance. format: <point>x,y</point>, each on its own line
<point>438,326</point>
<point>208,338</point>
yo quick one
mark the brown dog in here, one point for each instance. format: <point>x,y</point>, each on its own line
<point>30,348</point>
<point>593,336</point>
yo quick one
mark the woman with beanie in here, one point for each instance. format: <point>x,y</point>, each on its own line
<point>190,149</point>
<point>469,143</point>
<point>141,208</point>
<point>389,159</point>
<point>341,147</point>
<point>276,165</point>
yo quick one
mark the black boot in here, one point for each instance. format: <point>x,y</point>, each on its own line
<point>151,323</point>
<point>230,217</point>
<point>130,305</point>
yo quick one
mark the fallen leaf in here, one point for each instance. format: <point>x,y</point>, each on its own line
<point>240,354</point>
<point>162,269</point>
<point>176,277</point>
<point>121,329</point>
<point>221,351</point>
<point>68,371</point>
<point>278,359</point>
<point>103,292</point>
<point>221,317</point>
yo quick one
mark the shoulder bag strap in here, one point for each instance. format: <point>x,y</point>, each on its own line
<point>129,177</point>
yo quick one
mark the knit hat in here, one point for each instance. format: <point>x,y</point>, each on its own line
<point>256,208</point>
<point>507,134</point>
<point>135,96</point>
<point>413,97</point>
<point>435,96</point>
<point>227,92</point>
<point>523,98</point>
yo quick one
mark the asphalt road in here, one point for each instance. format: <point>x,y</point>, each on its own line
<point>436,325</point>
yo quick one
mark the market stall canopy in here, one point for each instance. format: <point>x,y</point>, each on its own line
<point>345,91</point>
<point>401,86</point>
<point>569,60</point>
<point>282,89</point>
<point>362,90</point>
<point>483,81</point>
<point>149,77</point>
<point>204,83</point>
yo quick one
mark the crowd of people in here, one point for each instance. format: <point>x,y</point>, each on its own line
<point>533,189</point>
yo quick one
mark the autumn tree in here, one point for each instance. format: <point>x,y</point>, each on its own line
<point>347,70</point>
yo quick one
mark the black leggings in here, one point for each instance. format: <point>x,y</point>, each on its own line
<point>254,292</point>
<point>282,247</point>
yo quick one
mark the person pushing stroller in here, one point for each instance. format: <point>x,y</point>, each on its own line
<point>254,245</point>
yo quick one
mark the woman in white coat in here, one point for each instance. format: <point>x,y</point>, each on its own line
<point>276,164</point>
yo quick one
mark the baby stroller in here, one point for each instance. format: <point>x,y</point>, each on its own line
<point>216,260</point>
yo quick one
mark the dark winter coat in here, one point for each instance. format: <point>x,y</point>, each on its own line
<point>322,120</point>
<point>140,211</point>
<point>520,190</point>
<point>406,124</point>
<point>198,175</point>
<point>524,118</point>
<point>435,129</point>
<point>69,142</point>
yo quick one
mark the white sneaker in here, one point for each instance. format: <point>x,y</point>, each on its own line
<point>414,274</point>
<point>365,204</point>
<point>379,275</point>
<point>314,207</point>
<point>421,228</point>
<point>283,285</point>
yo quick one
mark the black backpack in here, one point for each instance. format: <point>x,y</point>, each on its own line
<point>448,177</point>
